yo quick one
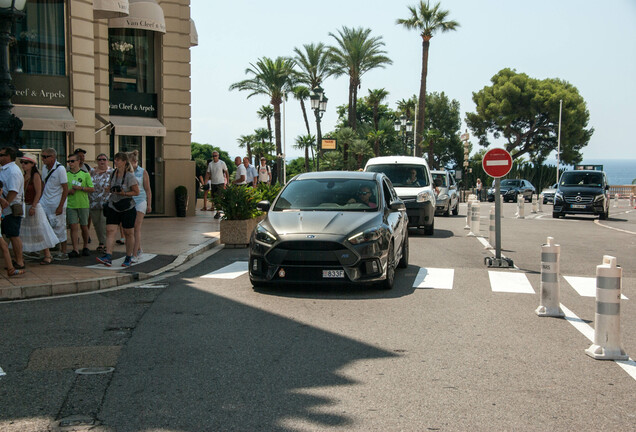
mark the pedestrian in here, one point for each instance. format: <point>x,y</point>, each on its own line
<point>478,187</point>
<point>121,209</point>
<point>81,155</point>
<point>99,198</point>
<point>218,176</point>
<point>35,231</point>
<point>13,207</point>
<point>264,172</point>
<point>240,176</point>
<point>143,201</point>
<point>251,175</point>
<point>11,270</point>
<point>54,196</point>
<point>78,206</point>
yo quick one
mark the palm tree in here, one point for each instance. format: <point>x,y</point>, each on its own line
<point>360,149</point>
<point>354,54</point>
<point>305,142</point>
<point>375,99</point>
<point>262,145</point>
<point>273,78</point>
<point>377,136</point>
<point>246,141</point>
<point>302,93</point>
<point>407,107</point>
<point>427,20</point>
<point>266,112</point>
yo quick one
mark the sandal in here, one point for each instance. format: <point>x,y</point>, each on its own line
<point>46,261</point>
<point>101,248</point>
<point>16,265</point>
<point>14,272</point>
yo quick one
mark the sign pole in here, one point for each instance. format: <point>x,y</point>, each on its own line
<point>497,219</point>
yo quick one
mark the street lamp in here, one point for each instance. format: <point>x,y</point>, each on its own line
<point>10,125</point>
<point>319,105</point>
<point>405,127</point>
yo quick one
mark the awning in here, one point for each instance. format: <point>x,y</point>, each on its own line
<point>137,126</point>
<point>142,15</point>
<point>45,118</point>
<point>194,36</point>
<point>110,8</point>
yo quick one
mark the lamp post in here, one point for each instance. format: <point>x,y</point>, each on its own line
<point>319,105</point>
<point>10,125</point>
<point>403,126</point>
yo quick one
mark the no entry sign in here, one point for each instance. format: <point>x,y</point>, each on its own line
<point>497,162</point>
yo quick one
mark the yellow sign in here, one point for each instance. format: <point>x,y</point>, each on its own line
<point>328,144</point>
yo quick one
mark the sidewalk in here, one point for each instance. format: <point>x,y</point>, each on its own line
<point>164,240</point>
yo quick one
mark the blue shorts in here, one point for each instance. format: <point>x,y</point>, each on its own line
<point>11,226</point>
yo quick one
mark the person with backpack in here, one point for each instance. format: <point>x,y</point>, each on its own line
<point>264,172</point>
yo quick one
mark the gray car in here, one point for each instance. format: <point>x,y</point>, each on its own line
<point>446,197</point>
<point>331,227</point>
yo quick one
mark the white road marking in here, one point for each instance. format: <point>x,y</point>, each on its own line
<point>597,222</point>
<point>231,271</point>
<point>2,373</point>
<point>508,282</point>
<point>628,366</point>
<point>585,286</point>
<point>492,250</point>
<point>119,261</point>
<point>434,278</point>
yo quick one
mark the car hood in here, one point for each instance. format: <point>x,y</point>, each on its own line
<point>412,191</point>
<point>318,222</point>
<point>583,190</point>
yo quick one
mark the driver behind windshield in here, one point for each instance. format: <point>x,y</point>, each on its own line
<point>412,179</point>
<point>363,196</point>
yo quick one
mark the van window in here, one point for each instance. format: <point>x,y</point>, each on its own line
<point>594,179</point>
<point>403,175</point>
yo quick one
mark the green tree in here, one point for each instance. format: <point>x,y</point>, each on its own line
<point>262,146</point>
<point>427,21</point>
<point>356,53</point>
<point>375,98</point>
<point>332,161</point>
<point>295,167</point>
<point>376,137</point>
<point>275,79</point>
<point>406,107</point>
<point>524,112</point>
<point>443,130</point>
<point>245,141</point>
<point>305,142</point>
<point>301,93</point>
<point>360,151</point>
<point>266,112</point>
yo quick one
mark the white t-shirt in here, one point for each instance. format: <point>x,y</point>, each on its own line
<point>240,171</point>
<point>263,173</point>
<point>216,172</point>
<point>53,187</point>
<point>13,180</point>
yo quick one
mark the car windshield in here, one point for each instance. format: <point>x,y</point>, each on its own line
<point>328,195</point>
<point>403,175</point>
<point>439,179</point>
<point>512,183</point>
<point>582,179</point>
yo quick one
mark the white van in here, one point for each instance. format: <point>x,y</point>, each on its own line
<point>413,183</point>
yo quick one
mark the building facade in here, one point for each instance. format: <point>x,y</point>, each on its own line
<point>108,76</point>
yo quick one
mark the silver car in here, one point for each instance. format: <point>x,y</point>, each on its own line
<point>446,197</point>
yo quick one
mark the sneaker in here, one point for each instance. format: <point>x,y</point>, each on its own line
<point>86,252</point>
<point>106,260</point>
<point>217,215</point>
<point>60,257</point>
<point>127,261</point>
<point>74,254</point>
<point>121,241</point>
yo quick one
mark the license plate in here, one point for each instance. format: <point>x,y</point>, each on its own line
<point>333,274</point>
<point>579,206</point>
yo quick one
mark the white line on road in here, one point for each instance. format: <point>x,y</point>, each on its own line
<point>585,286</point>
<point>510,282</point>
<point>231,271</point>
<point>628,366</point>
<point>597,222</point>
<point>2,373</point>
<point>434,278</point>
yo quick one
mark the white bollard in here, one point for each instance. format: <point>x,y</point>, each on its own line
<point>474,220</point>
<point>521,207</point>
<point>549,305</point>
<point>501,203</point>
<point>534,203</point>
<point>540,203</point>
<point>607,319</point>
<point>631,200</point>
<point>491,229</point>
<point>469,204</point>
<point>616,200</point>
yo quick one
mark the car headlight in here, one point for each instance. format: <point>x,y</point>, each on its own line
<point>491,191</point>
<point>264,236</point>
<point>442,197</point>
<point>598,198</point>
<point>365,236</point>
<point>558,196</point>
<point>425,196</point>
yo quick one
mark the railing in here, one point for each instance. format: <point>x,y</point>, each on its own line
<point>623,191</point>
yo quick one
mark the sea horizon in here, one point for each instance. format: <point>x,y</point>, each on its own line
<point>619,171</point>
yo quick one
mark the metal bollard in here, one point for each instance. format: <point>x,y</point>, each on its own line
<point>607,329</point>
<point>549,305</point>
<point>616,200</point>
<point>474,220</point>
<point>521,207</point>
<point>534,203</point>
<point>491,229</point>
<point>469,204</point>
<point>540,203</point>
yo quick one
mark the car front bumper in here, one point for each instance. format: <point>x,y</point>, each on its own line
<point>420,214</point>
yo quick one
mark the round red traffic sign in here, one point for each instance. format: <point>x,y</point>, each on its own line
<point>497,162</point>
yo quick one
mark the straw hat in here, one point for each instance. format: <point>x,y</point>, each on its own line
<point>30,157</point>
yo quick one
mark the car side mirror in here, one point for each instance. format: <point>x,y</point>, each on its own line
<point>606,187</point>
<point>263,206</point>
<point>453,187</point>
<point>397,205</point>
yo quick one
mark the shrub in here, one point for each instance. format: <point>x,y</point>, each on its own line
<point>238,202</point>
<point>266,192</point>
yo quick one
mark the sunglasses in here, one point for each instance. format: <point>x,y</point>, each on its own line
<point>364,193</point>
<point>71,160</point>
<point>102,159</point>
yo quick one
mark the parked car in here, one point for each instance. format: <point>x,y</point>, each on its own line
<point>582,192</point>
<point>413,184</point>
<point>548,194</point>
<point>331,227</point>
<point>446,197</point>
<point>511,188</point>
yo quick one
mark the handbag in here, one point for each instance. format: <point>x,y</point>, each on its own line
<point>16,210</point>
<point>123,204</point>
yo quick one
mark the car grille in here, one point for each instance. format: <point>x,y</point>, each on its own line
<point>578,199</point>
<point>311,253</point>
<point>310,245</point>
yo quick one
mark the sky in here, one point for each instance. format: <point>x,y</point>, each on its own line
<point>591,45</point>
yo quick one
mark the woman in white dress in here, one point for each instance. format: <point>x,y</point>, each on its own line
<point>35,231</point>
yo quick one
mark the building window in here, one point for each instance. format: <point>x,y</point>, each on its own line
<point>43,140</point>
<point>39,45</point>
<point>132,60</point>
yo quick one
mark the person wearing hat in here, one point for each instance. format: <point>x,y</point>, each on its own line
<point>13,209</point>
<point>81,155</point>
<point>35,231</point>
<point>77,209</point>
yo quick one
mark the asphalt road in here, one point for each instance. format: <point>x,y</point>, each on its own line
<point>208,353</point>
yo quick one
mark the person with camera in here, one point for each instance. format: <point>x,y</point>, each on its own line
<point>121,209</point>
<point>13,206</point>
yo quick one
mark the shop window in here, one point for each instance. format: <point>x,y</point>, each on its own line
<point>38,47</point>
<point>44,139</point>
<point>132,60</point>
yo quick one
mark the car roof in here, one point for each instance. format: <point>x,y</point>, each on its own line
<point>360,175</point>
<point>397,160</point>
<point>584,171</point>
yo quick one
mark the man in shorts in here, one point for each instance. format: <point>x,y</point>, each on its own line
<point>218,176</point>
<point>80,184</point>
<point>13,191</point>
<point>54,195</point>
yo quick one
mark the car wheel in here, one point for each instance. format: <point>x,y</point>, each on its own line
<point>404,261</point>
<point>545,201</point>
<point>429,229</point>
<point>556,215</point>
<point>388,282</point>
<point>456,209</point>
<point>447,211</point>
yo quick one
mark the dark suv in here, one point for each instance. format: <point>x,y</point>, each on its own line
<point>582,192</point>
<point>512,188</point>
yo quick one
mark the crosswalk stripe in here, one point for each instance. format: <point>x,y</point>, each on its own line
<point>508,282</point>
<point>231,271</point>
<point>585,286</point>
<point>434,278</point>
